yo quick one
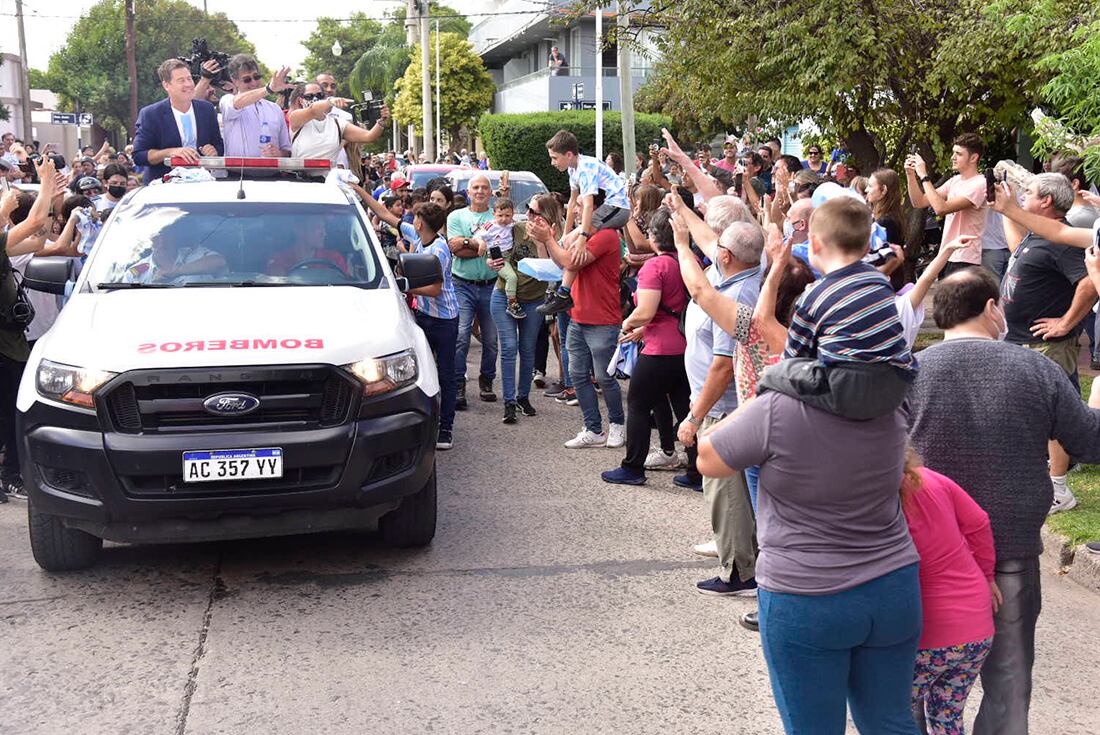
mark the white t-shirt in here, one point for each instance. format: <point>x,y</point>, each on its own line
<point>319,139</point>
<point>45,305</point>
<point>911,319</point>
<point>190,114</point>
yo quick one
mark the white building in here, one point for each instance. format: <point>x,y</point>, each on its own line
<point>515,46</point>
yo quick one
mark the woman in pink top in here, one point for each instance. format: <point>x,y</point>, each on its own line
<point>659,377</point>
<point>958,594</point>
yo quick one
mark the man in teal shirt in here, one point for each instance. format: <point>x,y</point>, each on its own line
<point>474,282</point>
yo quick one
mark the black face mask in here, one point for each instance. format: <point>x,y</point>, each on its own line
<point>116,191</point>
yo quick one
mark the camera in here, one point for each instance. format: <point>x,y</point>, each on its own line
<point>369,111</point>
<point>200,54</point>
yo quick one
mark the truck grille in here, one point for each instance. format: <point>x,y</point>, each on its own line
<point>294,480</point>
<point>171,401</point>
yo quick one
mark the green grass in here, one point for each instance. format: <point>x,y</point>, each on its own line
<point>1083,522</point>
<point>926,339</point>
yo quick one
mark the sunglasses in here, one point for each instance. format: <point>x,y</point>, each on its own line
<point>815,153</point>
<point>313,97</point>
<point>532,212</point>
<point>249,80</point>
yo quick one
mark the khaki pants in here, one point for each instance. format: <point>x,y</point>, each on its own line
<point>1062,352</point>
<point>732,521</point>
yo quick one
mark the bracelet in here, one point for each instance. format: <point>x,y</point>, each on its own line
<point>694,421</point>
<point>268,88</point>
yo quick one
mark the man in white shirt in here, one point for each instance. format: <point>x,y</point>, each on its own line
<point>253,125</point>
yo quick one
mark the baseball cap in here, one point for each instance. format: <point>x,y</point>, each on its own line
<point>88,182</point>
<point>397,183</point>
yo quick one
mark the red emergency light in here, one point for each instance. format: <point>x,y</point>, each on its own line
<point>239,162</point>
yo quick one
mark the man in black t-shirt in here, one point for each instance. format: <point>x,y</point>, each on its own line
<point>1045,294</point>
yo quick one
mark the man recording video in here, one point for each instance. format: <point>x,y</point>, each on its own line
<point>254,126</point>
<point>177,126</point>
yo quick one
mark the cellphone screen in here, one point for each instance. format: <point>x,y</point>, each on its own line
<point>990,191</point>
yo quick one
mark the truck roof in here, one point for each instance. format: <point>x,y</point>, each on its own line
<point>201,192</point>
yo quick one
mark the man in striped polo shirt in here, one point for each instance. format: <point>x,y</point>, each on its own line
<point>846,351</point>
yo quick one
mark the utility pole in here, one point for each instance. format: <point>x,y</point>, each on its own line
<point>438,99</point>
<point>626,87</point>
<point>599,83</point>
<point>426,120</point>
<point>28,131</point>
<point>131,66</point>
<point>411,11</point>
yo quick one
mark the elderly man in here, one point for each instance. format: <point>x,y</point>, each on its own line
<point>178,126</point>
<point>982,411</point>
<point>254,126</point>
<point>1046,296</point>
<point>474,282</point>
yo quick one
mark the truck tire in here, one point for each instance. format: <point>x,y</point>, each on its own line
<point>58,548</point>
<point>413,523</point>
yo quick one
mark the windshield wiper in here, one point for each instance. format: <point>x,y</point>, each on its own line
<point>120,285</point>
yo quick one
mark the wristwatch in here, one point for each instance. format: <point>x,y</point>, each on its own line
<point>925,178</point>
<point>692,420</point>
<point>587,235</point>
<point>465,242</point>
<point>268,89</point>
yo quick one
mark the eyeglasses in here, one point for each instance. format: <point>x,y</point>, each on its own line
<point>313,97</point>
<point>815,153</point>
<point>249,80</point>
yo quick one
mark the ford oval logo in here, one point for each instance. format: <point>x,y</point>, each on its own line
<point>231,404</point>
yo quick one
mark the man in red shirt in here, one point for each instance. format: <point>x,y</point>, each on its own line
<point>596,320</point>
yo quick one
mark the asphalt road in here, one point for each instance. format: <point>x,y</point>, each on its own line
<point>548,603</point>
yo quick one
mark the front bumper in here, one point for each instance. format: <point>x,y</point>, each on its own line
<point>129,488</point>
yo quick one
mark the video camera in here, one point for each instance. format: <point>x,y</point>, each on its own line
<point>200,54</point>
<point>369,111</point>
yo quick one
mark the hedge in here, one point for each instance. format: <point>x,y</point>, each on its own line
<point>518,142</point>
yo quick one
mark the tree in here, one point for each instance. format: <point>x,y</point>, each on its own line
<point>90,69</point>
<point>885,75</point>
<point>465,86</point>
<point>38,79</point>
<point>380,66</point>
<point>356,37</point>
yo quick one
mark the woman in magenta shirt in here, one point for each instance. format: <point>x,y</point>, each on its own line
<point>659,376</point>
<point>958,594</point>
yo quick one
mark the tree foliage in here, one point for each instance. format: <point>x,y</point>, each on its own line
<point>885,75</point>
<point>518,142</point>
<point>374,54</point>
<point>466,89</point>
<point>90,69</point>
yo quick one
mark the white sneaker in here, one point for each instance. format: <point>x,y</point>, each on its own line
<point>1062,501</point>
<point>707,548</point>
<point>658,460</point>
<point>586,439</point>
<point>616,436</point>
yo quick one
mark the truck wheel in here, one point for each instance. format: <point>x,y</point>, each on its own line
<point>58,548</point>
<point>413,523</point>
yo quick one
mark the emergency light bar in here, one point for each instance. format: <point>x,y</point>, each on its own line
<point>226,162</point>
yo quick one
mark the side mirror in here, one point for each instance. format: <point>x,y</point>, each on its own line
<point>418,270</point>
<point>48,275</point>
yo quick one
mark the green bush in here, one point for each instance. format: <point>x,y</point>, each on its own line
<point>518,142</point>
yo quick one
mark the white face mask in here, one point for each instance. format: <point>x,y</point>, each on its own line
<point>1002,331</point>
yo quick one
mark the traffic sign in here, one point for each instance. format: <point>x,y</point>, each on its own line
<point>582,105</point>
<point>84,119</point>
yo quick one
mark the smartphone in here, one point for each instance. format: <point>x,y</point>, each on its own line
<point>990,185</point>
<point>494,252</point>
<point>913,150</point>
<point>738,182</point>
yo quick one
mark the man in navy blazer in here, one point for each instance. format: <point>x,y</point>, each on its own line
<point>180,126</point>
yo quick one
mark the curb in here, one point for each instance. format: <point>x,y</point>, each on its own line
<point>1074,562</point>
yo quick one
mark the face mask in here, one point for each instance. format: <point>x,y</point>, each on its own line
<point>1002,331</point>
<point>117,191</point>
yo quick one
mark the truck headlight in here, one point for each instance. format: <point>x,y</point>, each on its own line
<point>385,374</point>
<point>68,384</point>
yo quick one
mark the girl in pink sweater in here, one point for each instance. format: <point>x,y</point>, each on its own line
<point>958,594</point>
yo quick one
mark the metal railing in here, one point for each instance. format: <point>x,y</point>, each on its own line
<point>577,72</point>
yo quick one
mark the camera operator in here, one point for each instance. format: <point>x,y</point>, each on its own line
<point>179,126</point>
<point>316,133</point>
<point>253,125</point>
<point>339,110</point>
<point>207,88</point>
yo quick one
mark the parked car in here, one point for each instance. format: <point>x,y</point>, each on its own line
<point>525,185</point>
<point>419,175</point>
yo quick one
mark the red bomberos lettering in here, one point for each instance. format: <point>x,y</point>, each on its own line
<point>218,345</point>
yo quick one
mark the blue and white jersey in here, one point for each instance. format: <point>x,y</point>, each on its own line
<point>445,305</point>
<point>591,176</point>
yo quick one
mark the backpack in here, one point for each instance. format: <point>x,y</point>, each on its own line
<point>19,314</point>
<point>681,316</point>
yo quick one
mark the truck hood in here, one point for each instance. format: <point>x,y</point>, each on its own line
<point>201,327</point>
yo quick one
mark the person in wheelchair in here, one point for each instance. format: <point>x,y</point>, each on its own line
<point>307,252</point>
<point>171,259</point>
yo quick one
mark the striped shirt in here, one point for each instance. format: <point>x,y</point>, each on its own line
<point>849,316</point>
<point>445,305</point>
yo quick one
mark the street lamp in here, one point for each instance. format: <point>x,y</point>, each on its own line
<point>337,49</point>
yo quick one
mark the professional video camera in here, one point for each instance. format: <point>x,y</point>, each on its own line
<point>200,54</point>
<point>369,111</point>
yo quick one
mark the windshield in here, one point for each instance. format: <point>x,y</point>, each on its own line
<point>420,179</point>
<point>522,191</point>
<point>235,244</point>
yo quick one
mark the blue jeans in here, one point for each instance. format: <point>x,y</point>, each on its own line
<point>563,334</point>
<point>475,300</point>
<point>442,335</point>
<point>517,337</point>
<point>590,350</point>
<point>752,479</point>
<point>858,646</point>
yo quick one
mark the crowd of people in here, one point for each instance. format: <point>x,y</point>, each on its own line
<point>885,508</point>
